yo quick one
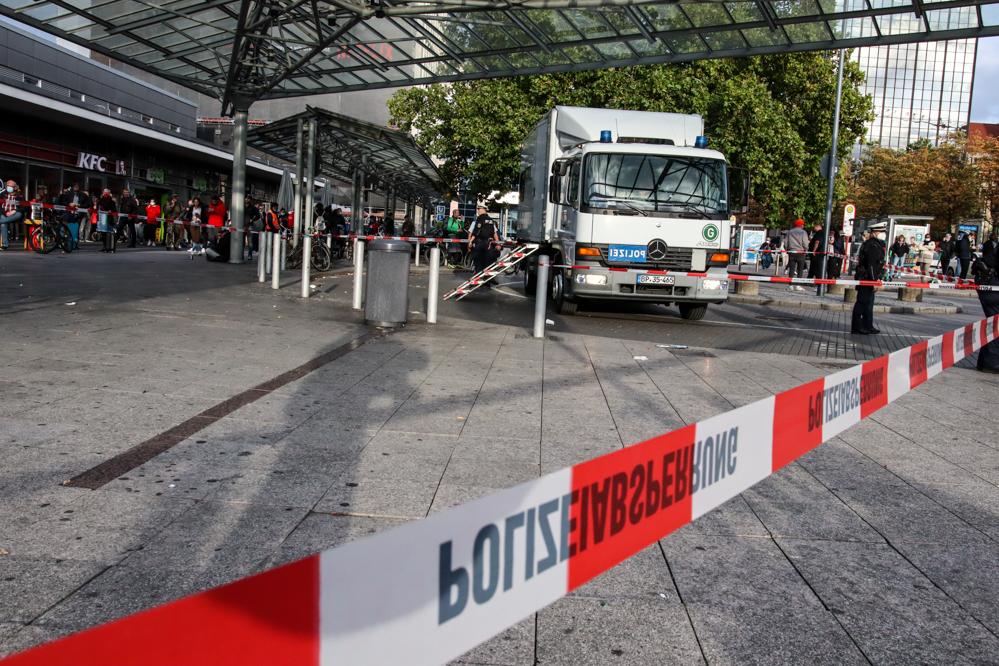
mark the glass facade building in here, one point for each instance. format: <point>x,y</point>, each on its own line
<point>920,91</point>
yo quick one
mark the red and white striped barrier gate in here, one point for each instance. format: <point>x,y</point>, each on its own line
<point>430,590</point>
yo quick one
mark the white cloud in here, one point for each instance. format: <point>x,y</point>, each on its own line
<point>985,98</point>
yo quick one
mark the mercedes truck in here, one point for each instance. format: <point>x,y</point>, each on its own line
<point>604,189</point>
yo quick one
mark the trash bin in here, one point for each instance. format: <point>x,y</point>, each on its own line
<point>386,301</point>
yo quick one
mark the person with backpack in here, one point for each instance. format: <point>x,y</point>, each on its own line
<point>481,239</point>
<point>766,254</point>
<point>870,267</point>
<point>454,224</point>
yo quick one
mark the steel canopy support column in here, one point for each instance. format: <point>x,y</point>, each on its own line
<point>833,168</point>
<point>298,189</point>
<point>310,178</point>
<point>237,193</point>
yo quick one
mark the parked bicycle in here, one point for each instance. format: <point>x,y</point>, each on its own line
<point>48,234</point>
<point>321,258</point>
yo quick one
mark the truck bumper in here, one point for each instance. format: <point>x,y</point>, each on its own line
<point>605,284</point>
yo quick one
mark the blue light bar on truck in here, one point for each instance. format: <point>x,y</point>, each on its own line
<point>605,136</point>
<point>701,142</point>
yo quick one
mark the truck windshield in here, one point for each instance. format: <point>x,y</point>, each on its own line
<point>634,184</point>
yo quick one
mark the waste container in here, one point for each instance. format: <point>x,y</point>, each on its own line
<point>386,301</point>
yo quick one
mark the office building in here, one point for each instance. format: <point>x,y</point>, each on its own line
<point>920,91</point>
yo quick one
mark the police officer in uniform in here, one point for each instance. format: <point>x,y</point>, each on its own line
<point>870,266</point>
<point>986,270</point>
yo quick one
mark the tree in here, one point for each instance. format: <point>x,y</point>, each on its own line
<point>772,114</point>
<point>921,180</point>
<point>987,161</point>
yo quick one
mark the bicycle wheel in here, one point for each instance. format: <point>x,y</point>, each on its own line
<point>466,261</point>
<point>64,237</point>
<point>321,260</point>
<point>295,257</point>
<point>42,239</point>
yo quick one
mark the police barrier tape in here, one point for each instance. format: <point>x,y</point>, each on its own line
<point>429,590</point>
<point>788,280</point>
<point>932,274</point>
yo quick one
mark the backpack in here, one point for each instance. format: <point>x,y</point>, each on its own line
<point>984,270</point>
<point>484,231</point>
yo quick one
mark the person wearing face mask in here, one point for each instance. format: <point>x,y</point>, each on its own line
<point>870,266</point>
<point>12,212</point>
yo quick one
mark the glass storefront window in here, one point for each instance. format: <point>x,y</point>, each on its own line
<point>12,170</point>
<point>43,183</point>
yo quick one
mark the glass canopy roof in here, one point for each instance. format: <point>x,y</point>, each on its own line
<point>341,141</point>
<point>244,50</point>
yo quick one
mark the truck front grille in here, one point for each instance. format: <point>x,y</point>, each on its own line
<point>677,259</point>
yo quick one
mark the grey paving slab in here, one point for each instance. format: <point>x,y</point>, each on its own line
<point>431,417</point>
<point>615,631</point>
<point>894,613</point>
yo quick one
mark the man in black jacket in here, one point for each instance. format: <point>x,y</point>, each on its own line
<point>250,216</point>
<point>80,201</point>
<point>946,248</point>
<point>870,266</point>
<point>127,206</point>
<point>965,245</point>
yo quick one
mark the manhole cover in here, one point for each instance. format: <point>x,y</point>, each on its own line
<point>773,318</point>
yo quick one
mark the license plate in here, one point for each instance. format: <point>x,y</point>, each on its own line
<point>631,253</point>
<point>655,279</point>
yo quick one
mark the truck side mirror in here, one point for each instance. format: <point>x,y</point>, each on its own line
<point>554,187</point>
<point>747,188</point>
<point>739,189</point>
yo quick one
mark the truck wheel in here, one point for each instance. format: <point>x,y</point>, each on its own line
<point>693,312</point>
<point>530,282</point>
<point>562,303</point>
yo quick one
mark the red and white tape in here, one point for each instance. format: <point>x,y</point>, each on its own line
<point>429,590</point>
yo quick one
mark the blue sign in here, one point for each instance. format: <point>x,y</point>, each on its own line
<point>967,228</point>
<point>440,217</point>
<point>633,253</point>
<point>441,210</point>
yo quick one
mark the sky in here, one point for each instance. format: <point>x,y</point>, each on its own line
<point>985,96</point>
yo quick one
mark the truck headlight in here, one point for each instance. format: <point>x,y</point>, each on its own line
<point>590,278</point>
<point>714,284</point>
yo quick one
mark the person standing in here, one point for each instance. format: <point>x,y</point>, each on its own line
<point>990,246</point>
<point>128,210</point>
<point>965,246</point>
<point>837,246</point>
<point>194,217</point>
<point>13,211</point>
<point>815,252</point>
<point>482,237</point>
<point>79,203</point>
<point>796,243</point>
<point>870,266</point>
<point>216,217</point>
<point>986,272</point>
<point>898,251</point>
<point>174,214</point>
<point>152,222</point>
<point>251,219</point>
<point>925,256</point>
<point>946,247</point>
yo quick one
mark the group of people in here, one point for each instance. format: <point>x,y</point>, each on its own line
<point>805,251</point>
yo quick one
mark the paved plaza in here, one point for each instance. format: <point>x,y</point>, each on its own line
<point>878,547</point>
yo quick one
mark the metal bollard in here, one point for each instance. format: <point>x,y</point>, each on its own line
<point>435,277</point>
<point>284,253</point>
<point>262,258</point>
<point>417,253</point>
<point>541,299</point>
<point>268,239</point>
<point>275,262</point>
<point>358,273</point>
<point>306,264</point>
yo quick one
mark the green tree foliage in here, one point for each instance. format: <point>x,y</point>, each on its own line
<point>772,114</point>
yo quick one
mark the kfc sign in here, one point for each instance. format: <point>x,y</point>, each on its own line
<point>99,163</point>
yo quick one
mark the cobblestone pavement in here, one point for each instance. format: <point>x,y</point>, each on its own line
<point>877,547</point>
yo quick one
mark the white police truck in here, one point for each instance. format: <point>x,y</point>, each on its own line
<point>607,188</point>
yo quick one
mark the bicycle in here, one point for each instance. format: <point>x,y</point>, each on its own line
<point>320,259</point>
<point>48,234</point>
